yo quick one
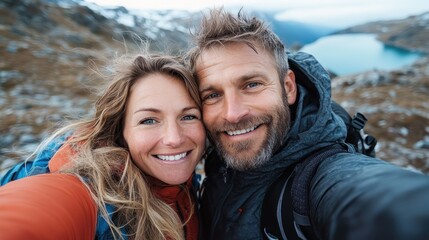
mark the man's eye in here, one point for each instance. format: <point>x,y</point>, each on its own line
<point>211,96</point>
<point>149,121</point>
<point>252,85</point>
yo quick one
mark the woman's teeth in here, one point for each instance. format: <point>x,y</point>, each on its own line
<point>172,157</point>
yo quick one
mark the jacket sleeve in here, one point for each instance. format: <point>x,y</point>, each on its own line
<point>47,206</point>
<point>37,166</point>
<point>357,197</point>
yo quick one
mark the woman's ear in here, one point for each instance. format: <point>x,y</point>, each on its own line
<point>290,87</point>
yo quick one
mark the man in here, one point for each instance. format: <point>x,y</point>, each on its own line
<point>262,116</point>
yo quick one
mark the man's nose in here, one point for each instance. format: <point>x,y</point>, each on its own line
<point>173,135</point>
<point>234,108</point>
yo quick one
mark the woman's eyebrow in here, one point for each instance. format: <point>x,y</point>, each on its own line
<point>147,110</point>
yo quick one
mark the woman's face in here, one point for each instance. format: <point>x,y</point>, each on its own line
<point>163,128</point>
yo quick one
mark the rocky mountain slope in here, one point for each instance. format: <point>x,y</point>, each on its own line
<point>396,102</point>
<point>47,46</point>
<point>397,107</point>
<point>411,33</point>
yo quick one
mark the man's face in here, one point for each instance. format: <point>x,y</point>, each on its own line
<point>245,105</point>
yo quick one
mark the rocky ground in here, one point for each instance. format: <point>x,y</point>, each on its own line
<point>46,79</point>
<point>49,53</point>
<point>397,107</point>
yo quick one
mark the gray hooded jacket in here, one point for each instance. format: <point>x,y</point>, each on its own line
<point>351,196</point>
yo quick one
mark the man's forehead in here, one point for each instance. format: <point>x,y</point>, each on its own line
<point>218,52</point>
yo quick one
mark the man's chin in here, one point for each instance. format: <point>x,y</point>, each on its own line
<point>242,161</point>
<point>243,155</point>
<point>240,166</point>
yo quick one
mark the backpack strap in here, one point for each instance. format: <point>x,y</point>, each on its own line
<point>285,210</point>
<point>276,201</point>
<point>300,190</point>
<point>366,142</point>
<point>363,142</point>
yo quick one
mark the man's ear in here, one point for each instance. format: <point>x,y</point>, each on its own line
<point>290,87</point>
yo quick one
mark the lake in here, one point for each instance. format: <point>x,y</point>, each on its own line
<point>353,53</point>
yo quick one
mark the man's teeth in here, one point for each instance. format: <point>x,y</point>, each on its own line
<point>172,157</point>
<point>238,132</point>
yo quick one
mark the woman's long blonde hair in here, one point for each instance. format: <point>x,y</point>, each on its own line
<point>103,161</point>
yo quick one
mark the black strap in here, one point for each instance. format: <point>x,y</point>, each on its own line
<point>274,204</point>
<point>285,211</point>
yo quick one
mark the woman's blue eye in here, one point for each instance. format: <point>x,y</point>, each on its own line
<point>189,117</point>
<point>148,121</point>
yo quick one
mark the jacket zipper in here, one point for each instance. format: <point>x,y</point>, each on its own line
<point>225,195</point>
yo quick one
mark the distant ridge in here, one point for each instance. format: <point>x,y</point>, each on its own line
<point>411,33</point>
<point>295,34</point>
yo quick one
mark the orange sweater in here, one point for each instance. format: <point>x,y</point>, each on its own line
<point>59,206</point>
<point>49,207</point>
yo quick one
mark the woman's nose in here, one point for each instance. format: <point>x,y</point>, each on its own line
<point>173,135</point>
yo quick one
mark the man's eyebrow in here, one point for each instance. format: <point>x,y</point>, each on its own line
<point>251,75</point>
<point>242,78</point>
<point>208,88</point>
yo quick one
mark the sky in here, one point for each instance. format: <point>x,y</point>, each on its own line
<point>331,13</point>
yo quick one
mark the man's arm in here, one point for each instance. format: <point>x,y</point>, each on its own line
<point>357,197</point>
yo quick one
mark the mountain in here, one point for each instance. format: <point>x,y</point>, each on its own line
<point>295,34</point>
<point>50,48</point>
<point>411,33</point>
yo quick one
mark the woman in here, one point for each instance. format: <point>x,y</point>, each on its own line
<point>132,162</point>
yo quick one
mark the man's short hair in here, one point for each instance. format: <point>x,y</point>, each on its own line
<point>220,27</point>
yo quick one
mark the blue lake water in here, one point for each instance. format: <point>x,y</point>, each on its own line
<point>353,53</point>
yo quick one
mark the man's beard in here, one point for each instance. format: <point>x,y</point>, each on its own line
<point>278,123</point>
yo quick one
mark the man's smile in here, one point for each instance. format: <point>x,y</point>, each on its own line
<point>241,131</point>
